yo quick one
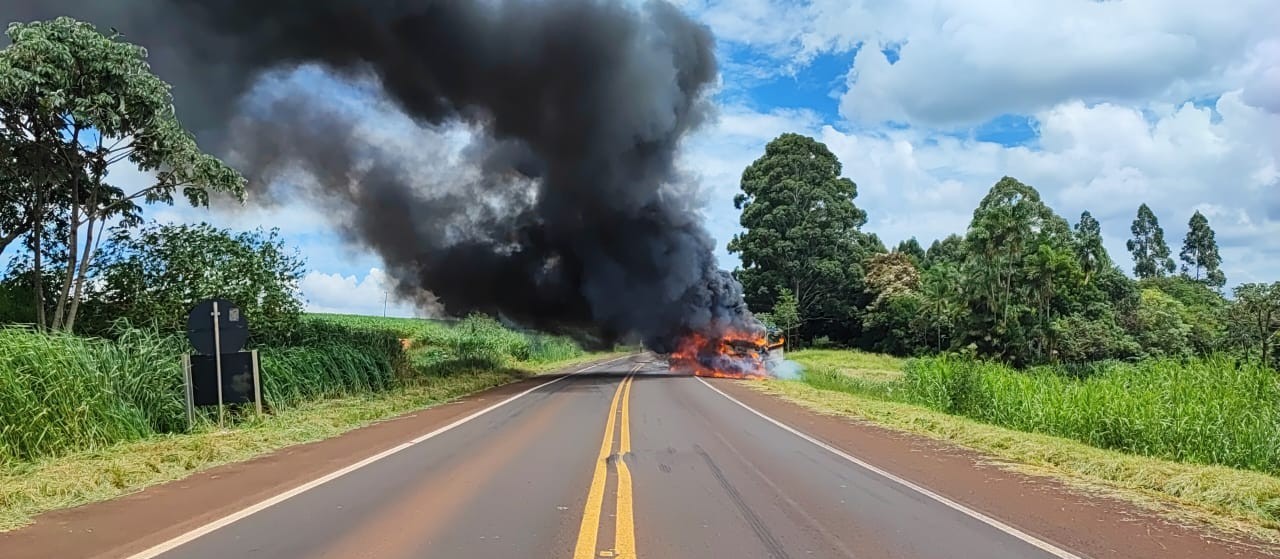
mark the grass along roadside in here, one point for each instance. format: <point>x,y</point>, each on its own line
<point>30,488</point>
<point>1235,500</point>
<point>870,366</point>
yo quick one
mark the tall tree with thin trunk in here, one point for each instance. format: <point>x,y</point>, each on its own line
<point>1150,252</point>
<point>1088,245</point>
<point>786,316</point>
<point>1200,258</point>
<point>74,104</point>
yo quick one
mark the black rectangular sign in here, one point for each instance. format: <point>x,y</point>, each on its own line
<point>237,379</point>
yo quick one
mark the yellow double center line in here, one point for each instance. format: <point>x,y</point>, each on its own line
<point>624,526</point>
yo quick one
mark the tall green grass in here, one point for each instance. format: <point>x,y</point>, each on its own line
<point>834,378</point>
<point>1208,411</point>
<point>60,393</point>
<point>292,375</point>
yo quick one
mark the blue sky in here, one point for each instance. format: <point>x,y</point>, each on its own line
<point>1100,106</point>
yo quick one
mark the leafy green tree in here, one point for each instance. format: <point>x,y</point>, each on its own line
<point>911,247</point>
<point>894,326</point>
<point>73,105</point>
<point>1150,252</point>
<point>1081,339</point>
<point>786,315</point>
<point>1088,245</point>
<point>1161,330</point>
<point>1200,253</point>
<point>1255,319</point>
<point>802,234</point>
<point>15,192</point>
<point>891,318</point>
<point>1019,261</point>
<point>154,276</point>
<point>946,251</point>
<point>1204,310</point>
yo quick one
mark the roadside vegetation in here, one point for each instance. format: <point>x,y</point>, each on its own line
<point>61,393</point>
<point>1195,433</point>
<point>1207,411</point>
<point>85,419</point>
<point>1239,501</point>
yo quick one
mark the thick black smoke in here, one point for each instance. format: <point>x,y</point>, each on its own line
<point>570,215</point>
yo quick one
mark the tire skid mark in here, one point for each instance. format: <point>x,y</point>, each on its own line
<point>757,525</point>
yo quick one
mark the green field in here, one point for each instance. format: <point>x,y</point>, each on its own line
<point>404,327</point>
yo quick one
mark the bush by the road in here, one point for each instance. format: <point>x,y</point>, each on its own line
<point>154,276</point>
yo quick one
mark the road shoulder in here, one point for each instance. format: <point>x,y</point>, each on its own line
<point>1090,522</point>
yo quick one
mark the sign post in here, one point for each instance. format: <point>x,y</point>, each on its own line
<point>217,357</point>
<point>186,376</point>
<point>257,384</point>
<point>218,333</point>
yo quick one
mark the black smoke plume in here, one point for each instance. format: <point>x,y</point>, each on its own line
<point>564,211</point>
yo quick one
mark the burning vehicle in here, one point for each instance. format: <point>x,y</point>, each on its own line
<point>732,354</point>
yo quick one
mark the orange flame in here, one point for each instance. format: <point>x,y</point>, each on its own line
<point>734,354</point>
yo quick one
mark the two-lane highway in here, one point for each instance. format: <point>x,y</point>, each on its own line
<point>621,460</point>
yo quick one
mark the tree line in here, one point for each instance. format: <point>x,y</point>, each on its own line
<point>1022,284</point>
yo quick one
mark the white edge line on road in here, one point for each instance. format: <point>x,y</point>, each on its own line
<point>1037,542</point>
<point>270,501</point>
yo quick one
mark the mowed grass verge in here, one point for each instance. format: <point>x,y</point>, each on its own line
<point>1234,499</point>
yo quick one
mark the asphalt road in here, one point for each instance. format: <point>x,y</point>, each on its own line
<point>617,461</point>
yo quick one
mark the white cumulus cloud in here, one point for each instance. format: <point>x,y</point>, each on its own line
<point>1104,158</point>
<point>337,293</point>
<point>964,62</point>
